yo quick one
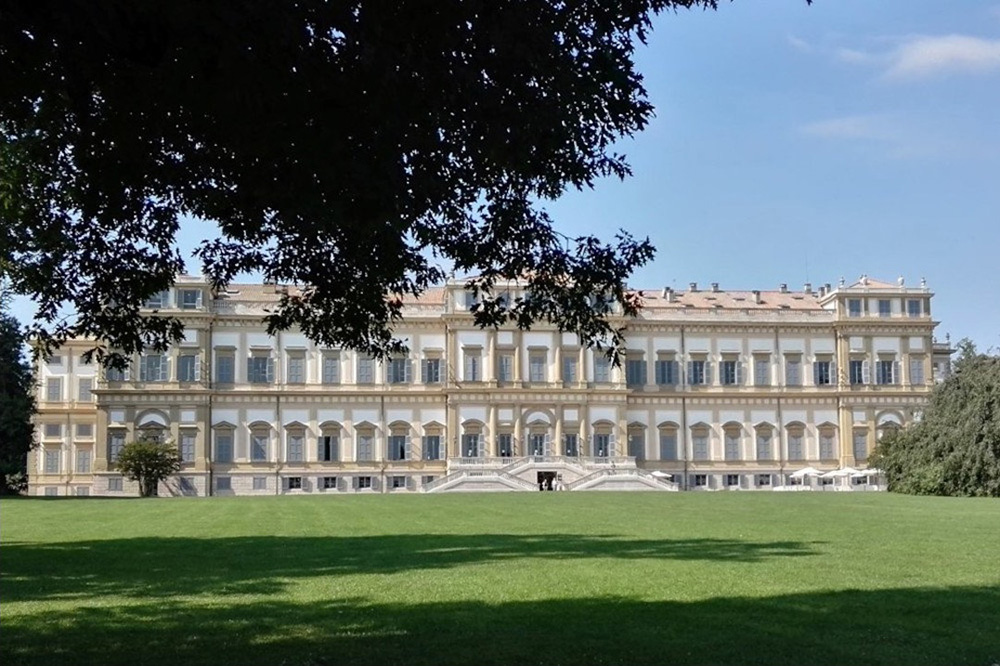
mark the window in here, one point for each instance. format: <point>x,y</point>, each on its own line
<point>53,389</point>
<point>536,367</point>
<point>571,444</point>
<point>431,445</point>
<point>762,371</point>
<point>115,483</point>
<point>473,365</point>
<point>329,483</point>
<point>296,446</point>
<point>366,445</point>
<point>52,430</point>
<point>732,444</point>
<point>153,368</point>
<point>668,444</point>
<point>84,389</point>
<point>363,482</point>
<point>56,359</point>
<point>505,367</point>
<point>260,368</point>
<point>793,371</point>
<point>223,483</point>
<point>635,371</point>
<point>916,371</point>
<point>116,375</point>
<point>538,444</point>
<point>764,448</point>
<point>295,372</point>
<point>397,371</point>
<point>52,461</point>
<point>331,368</point>
<point>700,480</point>
<point>471,445</point>
<point>429,478</point>
<point>860,444</point>
<point>187,368</point>
<point>699,443</point>
<point>730,372</point>
<point>329,448</point>
<point>698,373</point>
<point>763,479</point>
<point>187,446</point>
<point>913,308</point>
<point>602,445</point>
<point>397,481</point>
<point>260,483</point>
<point>430,371</point>
<point>826,444</point>
<point>225,366</point>
<point>51,491</point>
<point>505,445</point>
<point>83,491</point>
<point>85,430</point>
<point>858,371</point>
<point>602,368</point>
<point>854,307</point>
<point>258,445</point>
<point>294,483</point>
<point>823,373</point>
<point>795,444</point>
<point>366,370</point>
<point>397,445</point>
<point>732,479</point>
<point>885,372</point>
<point>569,367</point>
<point>116,441</point>
<point>224,446</point>
<point>666,372</point>
<point>189,299</point>
<point>637,444</point>
<point>884,307</point>
<point>159,300</point>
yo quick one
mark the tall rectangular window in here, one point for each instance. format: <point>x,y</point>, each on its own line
<point>329,448</point>
<point>366,447</point>
<point>569,367</point>
<point>884,307</point>
<point>860,444</point>
<point>635,371</point>
<point>793,371</point>
<point>854,307</point>
<point>53,389</point>
<point>602,368</point>
<point>668,446</point>
<point>296,447</point>
<point>536,367</point>
<point>152,368</point>
<point>187,368</point>
<point>83,461</point>
<point>258,446</point>
<point>666,372</point>
<point>697,372</point>
<point>397,447</point>
<point>571,444</point>
<point>260,368</point>
<point>732,445</point>
<point>158,300</point>
<point>52,461</point>
<point>699,445</point>
<point>295,372</point>
<point>602,445</point>
<point>761,371</point>
<point>397,371</point>
<point>913,308</point>
<point>796,450</point>
<point>637,445</point>
<point>430,371</point>
<point>823,373</point>
<point>885,372</point>
<point>331,368</point>
<point>764,451</point>
<point>505,367</point>
<point>225,366</point>
<point>224,447</point>
<point>916,371</point>
<point>730,373</point>
<point>116,442</point>
<point>473,365</point>
<point>189,299</point>
<point>826,445</point>
<point>431,445</point>
<point>85,389</point>
<point>857,374</point>
<point>187,446</point>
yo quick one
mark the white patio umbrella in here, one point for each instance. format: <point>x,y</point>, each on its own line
<point>840,473</point>
<point>804,472</point>
<point>662,475</point>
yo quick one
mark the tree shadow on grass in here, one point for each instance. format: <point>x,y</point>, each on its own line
<point>951,626</point>
<point>168,566</point>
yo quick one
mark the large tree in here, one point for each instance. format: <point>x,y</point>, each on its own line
<point>362,148</point>
<point>148,462</point>
<point>955,448</point>
<point>17,402</point>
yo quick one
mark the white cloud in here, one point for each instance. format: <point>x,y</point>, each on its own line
<point>851,127</point>
<point>799,44</point>
<point>927,56</point>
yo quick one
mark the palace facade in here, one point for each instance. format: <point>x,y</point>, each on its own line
<point>718,390</point>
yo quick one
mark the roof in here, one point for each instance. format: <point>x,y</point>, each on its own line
<point>731,300</point>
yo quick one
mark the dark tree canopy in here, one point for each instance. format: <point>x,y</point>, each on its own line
<point>359,148</point>
<point>17,401</point>
<point>148,462</point>
<point>955,449</point>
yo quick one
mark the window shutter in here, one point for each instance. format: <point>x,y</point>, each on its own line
<point>127,373</point>
<point>424,371</point>
<point>197,368</point>
<point>408,371</point>
<point>816,373</point>
<point>270,370</point>
<point>410,483</point>
<point>895,373</point>
<point>708,373</point>
<point>165,362</point>
<point>409,450</point>
<point>739,372</point>
<point>547,446</point>
<point>866,372</point>
<point>354,482</point>
<point>611,446</point>
<point>375,483</point>
<point>690,372</point>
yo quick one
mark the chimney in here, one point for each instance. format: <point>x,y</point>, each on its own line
<point>693,286</point>
<point>783,288</point>
<point>826,288</point>
<point>756,296</point>
<point>663,294</point>
<point>822,290</point>
<point>808,288</point>
<point>668,294</point>
<point>715,286</point>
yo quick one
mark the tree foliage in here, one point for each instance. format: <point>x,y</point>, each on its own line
<point>361,148</point>
<point>17,403</point>
<point>955,448</point>
<point>148,462</point>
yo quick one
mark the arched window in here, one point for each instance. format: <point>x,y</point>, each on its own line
<point>668,441</point>
<point>860,442</point>
<point>796,441</point>
<point>472,440</point>
<point>260,439</point>
<point>765,442</point>
<point>700,433</point>
<point>430,444</point>
<point>398,441</point>
<point>365,442</point>
<point>637,441</point>
<point>295,442</point>
<point>223,436</point>
<point>328,445</point>
<point>732,435</point>
<point>539,439</point>
<point>827,441</point>
<point>603,440</point>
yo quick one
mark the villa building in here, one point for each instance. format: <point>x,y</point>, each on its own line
<point>718,389</point>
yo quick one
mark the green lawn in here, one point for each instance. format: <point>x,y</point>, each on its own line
<point>534,578</point>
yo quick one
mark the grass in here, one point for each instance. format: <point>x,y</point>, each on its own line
<point>546,578</point>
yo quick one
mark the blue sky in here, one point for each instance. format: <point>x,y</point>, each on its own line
<point>797,143</point>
